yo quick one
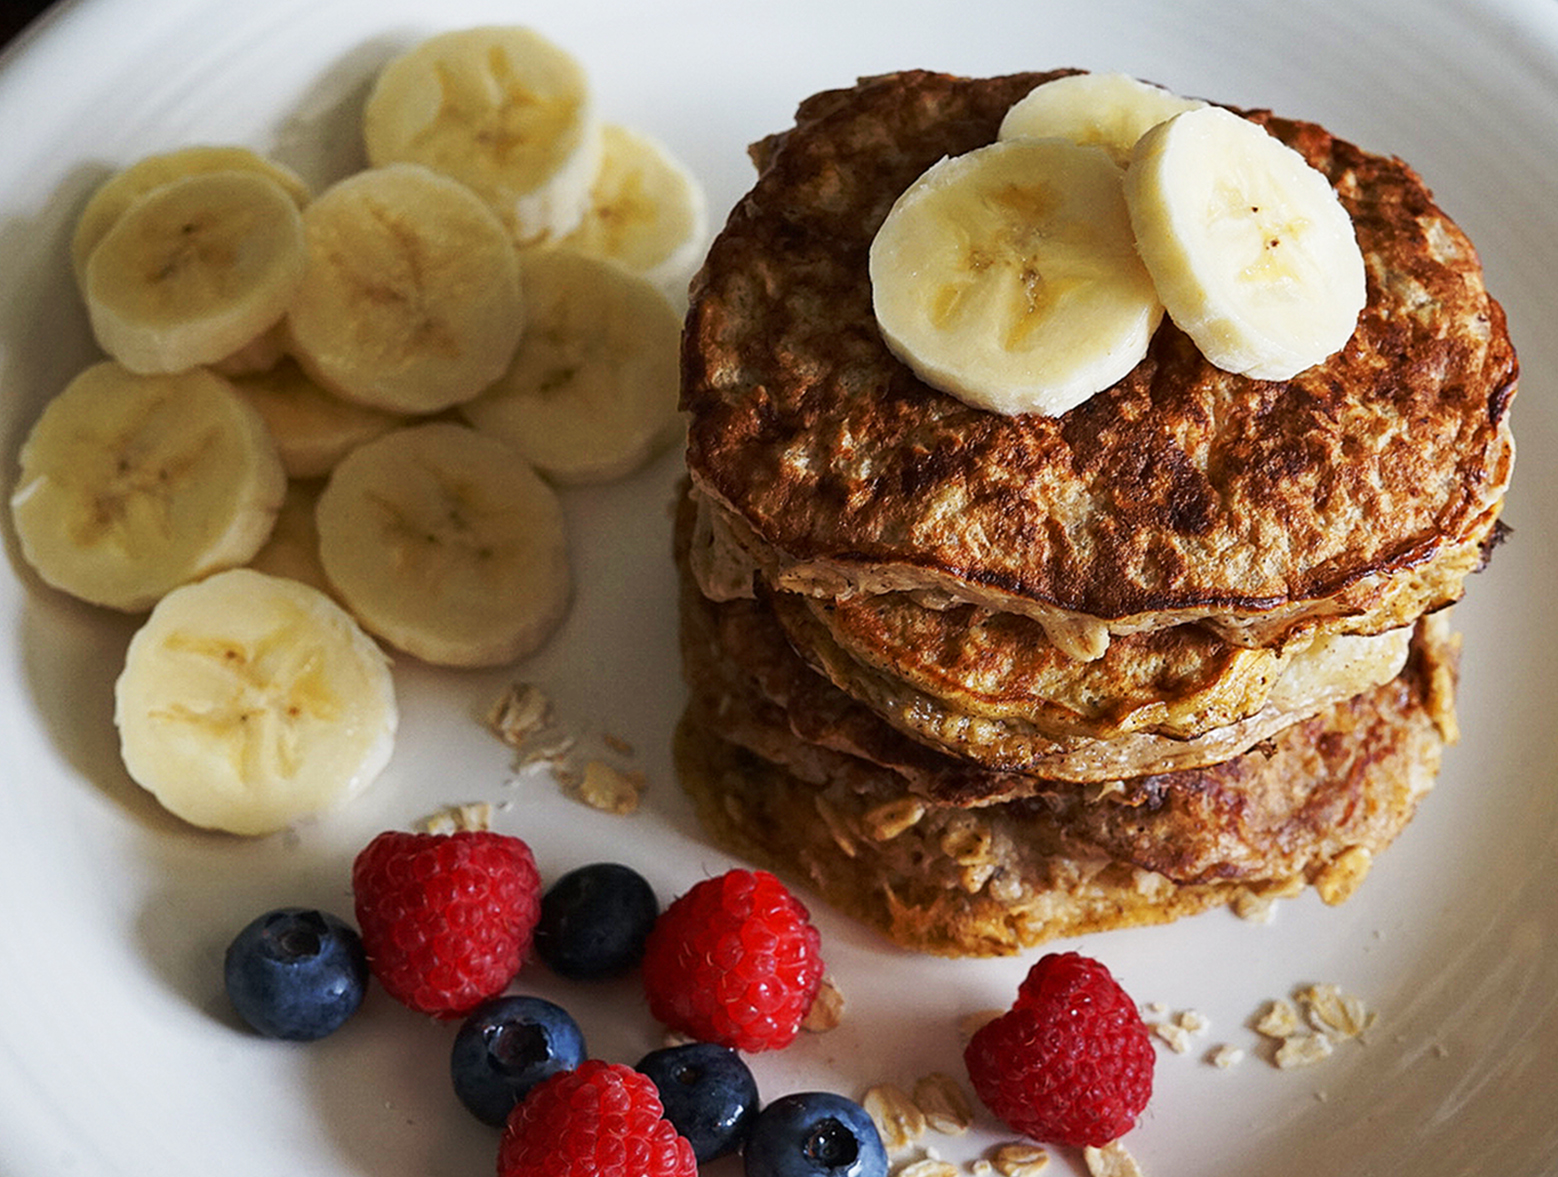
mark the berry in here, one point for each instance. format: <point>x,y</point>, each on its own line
<point>505,1047</point>
<point>708,1093</point>
<point>594,921</point>
<point>598,1120</point>
<point>735,961</point>
<point>814,1134</point>
<point>1071,1062</point>
<point>446,918</point>
<point>296,973</point>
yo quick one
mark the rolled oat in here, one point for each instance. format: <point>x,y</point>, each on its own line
<point>897,1117</point>
<point>927,1167</point>
<point>609,789</point>
<point>1112,1160</point>
<point>827,1009</point>
<point>942,1101</point>
<point>1019,1159</point>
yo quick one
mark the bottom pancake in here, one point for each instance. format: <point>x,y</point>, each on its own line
<point>1312,806</point>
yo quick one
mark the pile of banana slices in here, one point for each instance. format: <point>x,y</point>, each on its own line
<point>327,416</point>
<point>1030,274</point>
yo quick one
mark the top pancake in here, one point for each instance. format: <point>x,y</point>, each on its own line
<point>1351,498</point>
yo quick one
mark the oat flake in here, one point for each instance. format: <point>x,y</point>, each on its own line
<point>827,1009</point>
<point>1019,1160</point>
<point>1303,1050</point>
<point>1112,1160</point>
<point>898,1119</point>
<point>1280,1019</point>
<point>928,1167</point>
<point>942,1101</point>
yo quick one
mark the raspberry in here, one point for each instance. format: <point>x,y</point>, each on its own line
<point>1071,1062</point>
<point>735,961</point>
<point>446,919</point>
<point>598,1120</point>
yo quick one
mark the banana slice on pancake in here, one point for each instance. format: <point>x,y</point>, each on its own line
<point>443,542</point>
<point>1009,277</point>
<point>132,485</point>
<point>503,110</point>
<point>194,270</point>
<point>1108,110</point>
<point>1251,251</point>
<point>249,702</point>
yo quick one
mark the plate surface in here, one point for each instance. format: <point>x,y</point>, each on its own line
<point>118,1055</point>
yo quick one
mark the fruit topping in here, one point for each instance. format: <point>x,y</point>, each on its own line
<point>1008,277</point>
<point>446,918</point>
<point>1071,1062</point>
<point>1249,246</point>
<point>1108,110</point>
<point>599,1120</point>
<point>443,542</point>
<point>503,110</point>
<point>132,485</point>
<point>249,702</point>
<point>505,1047</point>
<point>590,395</point>
<point>734,960</point>
<point>708,1093</point>
<point>296,973</point>
<point>814,1134</point>
<point>595,920</point>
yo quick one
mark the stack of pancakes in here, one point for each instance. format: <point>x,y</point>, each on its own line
<point>987,680</point>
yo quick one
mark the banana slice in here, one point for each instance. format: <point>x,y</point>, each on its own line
<point>647,212</point>
<point>292,550</point>
<point>501,109</point>
<point>1108,110</point>
<point>313,429</point>
<point>411,299</point>
<point>260,354</point>
<point>1008,277</point>
<point>591,394</point>
<point>1251,251</point>
<point>112,197</point>
<point>131,485</point>
<point>444,543</point>
<point>194,270</point>
<point>250,702</point>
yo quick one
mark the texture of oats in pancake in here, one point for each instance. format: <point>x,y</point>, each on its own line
<point>1352,498</point>
<point>1313,807</point>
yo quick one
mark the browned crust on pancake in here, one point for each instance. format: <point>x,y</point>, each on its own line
<point>1356,495</point>
<point>1319,803</point>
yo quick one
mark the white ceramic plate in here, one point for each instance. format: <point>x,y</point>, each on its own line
<point>118,1055</point>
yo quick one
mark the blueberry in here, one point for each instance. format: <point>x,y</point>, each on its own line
<point>296,973</point>
<point>708,1093</point>
<point>505,1047</point>
<point>594,921</point>
<point>814,1134</point>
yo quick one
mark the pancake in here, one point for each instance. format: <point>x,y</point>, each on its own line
<point>1350,499</point>
<point>739,648</point>
<point>1001,669</point>
<point>1314,807</point>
